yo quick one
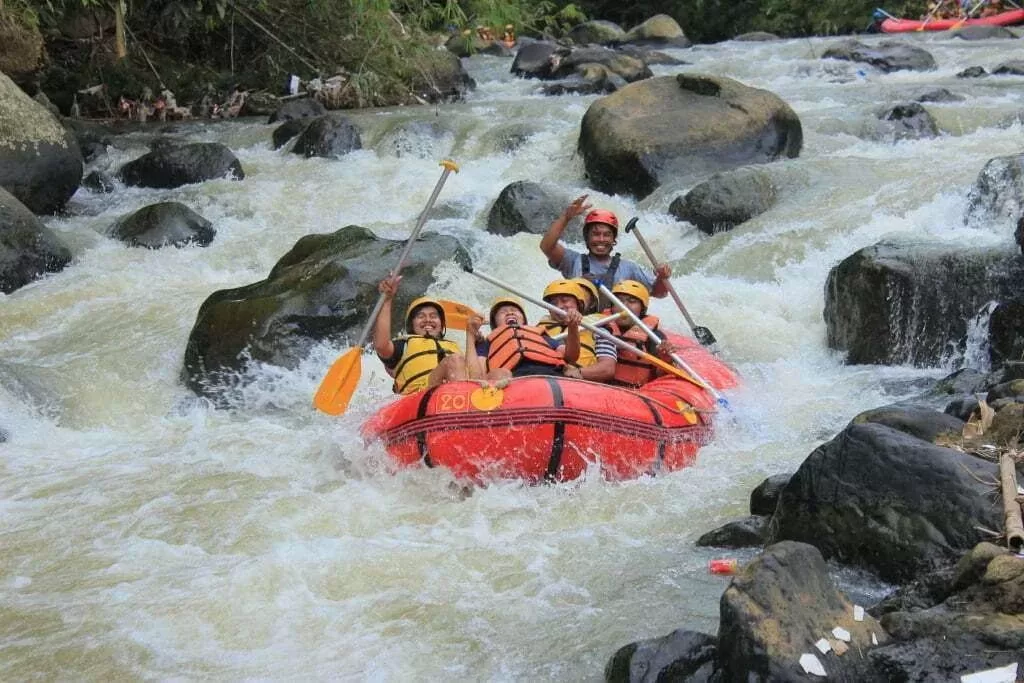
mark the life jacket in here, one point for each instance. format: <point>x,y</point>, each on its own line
<point>419,358</point>
<point>588,347</point>
<point>608,279</point>
<point>632,369</point>
<point>510,345</point>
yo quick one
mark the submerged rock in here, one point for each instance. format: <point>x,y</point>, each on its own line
<point>28,249</point>
<point>887,56</point>
<point>170,166</point>
<point>167,224</point>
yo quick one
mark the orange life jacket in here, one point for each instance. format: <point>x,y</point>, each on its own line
<point>632,369</point>
<point>510,345</point>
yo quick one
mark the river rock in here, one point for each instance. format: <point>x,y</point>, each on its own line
<point>998,192</point>
<point>330,137</point>
<point>171,166</point>
<point>569,62</point>
<point>302,108</point>
<point>888,56</point>
<point>899,302</point>
<point>99,182</point>
<point>167,224</point>
<point>649,56</point>
<point>887,501</point>
<point>683,129</point>
<point>972,72</point>
<point>40,163</point>
<point>259,103</point>
<point>287,131</point>
<point>534,60</point>
<point>936,95</point>
<point>765,497</point>
<point>525,206</point>
<point>726,200</point>
<point>440,77</point>
<point>918,421</point>
<point>907,121</point>
<point>589,79</point>
<point>740,533</point>
<point>776,608</point>
<point>322,289</point>
<point>467,44</point>
<point>661,30</point>
<point>1014,67</point>
<point>982,33</point>
<point>93,138</point>
<point>28,249</point>
<point>1006,332</point>
<point>417,139</point>
<point>597,32</point>
<point>756,37</point>
<point>680,656</point>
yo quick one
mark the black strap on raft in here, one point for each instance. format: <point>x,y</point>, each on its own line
<point>558,438</point>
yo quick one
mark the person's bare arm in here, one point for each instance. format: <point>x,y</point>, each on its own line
<point>571,348</point>
<point>551,243</point>
<point>601,371</point>
<point>476,367</point>
<point>382,325</point>
<point>661,275</point>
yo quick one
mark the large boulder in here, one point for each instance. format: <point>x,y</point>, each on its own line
<point>887,501</point>
<point>765,496</point>
<point>40,163</point>
<point>301,108</point>
<point>440,77</point>
<point>534,60</point>
<point>887,56</point>
<point>907,121</point>
<point>167,224</point>
<point>170,166</point>
<point>910,302</point>
<point>661,30</point>
<point>525,206</point>
<point>725,200</point>
<point>597,32</point>
<point>322,289</point>
<point>330,137</point>
<point>1014,67</point>
<point>680,656</point>
<point>998,193</point>
<point>570,61</point>
<point>28,249</point>
<point>287,131</point>
<point>683,128</point>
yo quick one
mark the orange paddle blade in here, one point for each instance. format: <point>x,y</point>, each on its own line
<point>456,315</point>
<point>339,383</point>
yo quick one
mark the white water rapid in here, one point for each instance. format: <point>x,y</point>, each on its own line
<point>146,535</point>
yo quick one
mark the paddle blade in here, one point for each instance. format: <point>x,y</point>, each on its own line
<point>704,336</point>
<point>456,315</point>
<point>339,383</point>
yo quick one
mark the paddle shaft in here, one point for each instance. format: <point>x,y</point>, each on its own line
<point>657,340</point>
<point>599,323</point>
<point>596,330</point>
<point>668,283</point>
<point>449,166</point>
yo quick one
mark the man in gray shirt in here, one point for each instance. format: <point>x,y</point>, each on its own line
<point>600,232</point>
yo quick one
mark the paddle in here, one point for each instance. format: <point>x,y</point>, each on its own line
<point>702,334</point>
<point>600,322</point>
<point>340,382</point>
<point>456,315</point>
<point>657,340</point>
<point>667,367</point>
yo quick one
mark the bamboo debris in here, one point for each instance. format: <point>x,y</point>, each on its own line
<point>1011,504</point>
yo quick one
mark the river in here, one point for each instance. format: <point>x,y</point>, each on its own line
<point>147,535</point>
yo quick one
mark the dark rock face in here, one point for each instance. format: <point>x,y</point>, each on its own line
<point>324,288</point>
<point>726,200</point>
<point>28,249</point>
<point>1006,332</point>
<point>288,130</point>
<point>742,533</point>
<point>887,501</point>
<point>682,128</point>
<point>167,224</point>
<point>40,162</point>
<point>441,78</point>
<point>92,138</point>
<point>680,656</point>
<point>998,192</point>
<point>887,56</point>
<point>909,121</point>
<point>895,303</point>
<point>304,108</point>
<point>169,166</point>
<point>524,206</point>
<point>776,608</point>
<point>765,497</point>
<point>534,60</point>
<point>920,422</point>
<point>329,137</point>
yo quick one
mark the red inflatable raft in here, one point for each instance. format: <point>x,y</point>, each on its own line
<point>894,25</point>
<point>553,428</point>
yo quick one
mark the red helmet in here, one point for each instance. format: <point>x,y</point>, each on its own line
<point>602,216</point>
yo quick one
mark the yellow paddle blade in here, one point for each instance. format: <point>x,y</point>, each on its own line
<point>681,374</point>
<point>456,315</point>
<point>339,383</point>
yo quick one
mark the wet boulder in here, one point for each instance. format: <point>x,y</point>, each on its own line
<point>260,103</point>
<point>93,138</point>
<point>936,95</point>
<point>323,289</point>
<point>40,162</point>
<point>741,533</point>
<point>1014,67</point>
<point>726,200</point>
<point>167,224</point>
<point>998,192</point>
<point>1006,332</point>
<point>628,67</point>
<point>302,108</point>
<point>330,137</point>
<point>660,30</point>
<point>288,131</point>
<point>882,499</point>
<point>756,37</point>
<point>440,77</point>
<point>170,166</point>
<point>99,182</point>
<point>972,72</point>
<point>588,79</point>
<point>919,422</point>
<point>683,129</point>
<point>534,60</point>
<point>765,496</point>
<point>900,302</point>
<point>597,32</point>
<point>28,249</point>
<point>418,139</point>
<point>680,656</point>
<point>887,56</point>
<point>525,206</point>
<point>907,121</point>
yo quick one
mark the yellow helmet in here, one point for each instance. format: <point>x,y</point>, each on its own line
<point>567,288</point>
<point>418,303</point>
<point>633,288</point>
<point>589,287</point>
<point>501,301</point>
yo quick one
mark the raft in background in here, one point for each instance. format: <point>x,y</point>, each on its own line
<point>892,24</point>
<point>554,428</point>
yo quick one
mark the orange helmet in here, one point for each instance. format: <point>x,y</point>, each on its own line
<point>602,216</point>
<point>634,289</point>
<point>502,301</point>
<point>568,288</point>
<point>419,303</point>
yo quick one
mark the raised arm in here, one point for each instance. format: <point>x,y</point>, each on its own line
<point>550,244</point>
<point>476,367</point>
<point>661,275</point>
<point>571,348</point>
<point>382,325</point>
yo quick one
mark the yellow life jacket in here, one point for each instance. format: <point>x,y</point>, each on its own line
<point>588,347</point>
<point>419,358</point>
